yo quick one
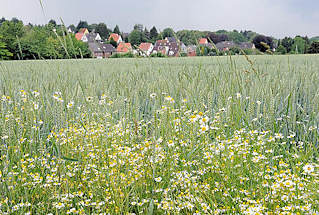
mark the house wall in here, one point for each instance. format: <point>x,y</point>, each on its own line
<point>191,54</point>
<point>120,40</point>
<point>107,54</point>
<point>98,54</point>
<point>149,51</point>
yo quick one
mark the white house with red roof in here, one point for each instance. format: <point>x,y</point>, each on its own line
<point>117,38</point>
<point>146,48</point>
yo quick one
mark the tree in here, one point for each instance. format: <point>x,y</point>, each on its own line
<point>102,29</point>
<point>82,24</point>
<point>138,27</point>
<point>4,52</point>
<point>11,31</point>
<point>300,45</point>
<point>314,48</point>
<point>117,30</point>
<point>287,42</point>
<point>136,37</point>
<point>190,37</point>
<point>15,20</point>
<point>72,28</point>
<point>52,22</point>
<point>168,32</point>
<point>2,20</point>
<point>249,35</point>
<point>236,37</point>
<point>263,43</point>
<point>281,50</point>
<point>217,38</point>
<point>92,27</point>
<point>147,34</point>
<point>153,34</point>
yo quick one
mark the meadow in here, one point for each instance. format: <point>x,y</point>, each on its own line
<point>203,135</point>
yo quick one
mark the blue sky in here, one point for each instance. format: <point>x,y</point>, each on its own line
<point>271,17</point>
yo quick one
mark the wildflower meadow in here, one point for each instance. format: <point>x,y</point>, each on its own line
<point>209,135</point>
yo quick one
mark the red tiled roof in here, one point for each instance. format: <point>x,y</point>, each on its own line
<point>83,30</point>
<point>124,47</point>
<point>79,36</point>
<point>203,41</point>
<point>145,46</point>
<point>115,37</point>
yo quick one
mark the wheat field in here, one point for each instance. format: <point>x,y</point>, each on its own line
<point>203,135</point>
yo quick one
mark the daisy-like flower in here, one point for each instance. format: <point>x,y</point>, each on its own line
<point>59,205</point>
<point>153,95</point>
<point>203,128</point>
<point>70,104</point>
<point>284,198</point>
<point>35,106</point>
<point>308,168</point>
<point>57,96</point>
<point>158,179</point>
<point>35,93</point>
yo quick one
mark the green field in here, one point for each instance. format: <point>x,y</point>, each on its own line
<point>205,135</point>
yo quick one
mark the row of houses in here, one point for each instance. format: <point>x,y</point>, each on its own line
<point>168,46</point>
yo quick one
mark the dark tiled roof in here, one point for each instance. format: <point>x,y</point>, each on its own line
<point>91,37</point>
<point>225,45</point>
<point>172,47</point>
<point>246,45</point>
<point>171,39</point>
<point>107,48</point>
<point>95,47</point>
<point>101,47</point>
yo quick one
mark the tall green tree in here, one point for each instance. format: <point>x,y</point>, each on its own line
<point>299,46</point>
<point>168,32</point>
<point>117,30</point>
<point>11,31</point>
<point>2,20</point>
<point>147,34</point>
<point>138,27</point>
<point>72,28</point>
<point>153,34</point>
<point>82,24</point>
<point>136,37</point>
<point>92,27</point>
<point>314,48</point>
<point>287,42</point>
<point>102,29</point>
<point>52,22</point>
<point>4,52</point>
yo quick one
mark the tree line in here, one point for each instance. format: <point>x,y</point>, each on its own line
<point>53,41</point>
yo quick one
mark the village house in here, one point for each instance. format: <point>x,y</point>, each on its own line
<point>191,51</point>
<point>146,48</point>
<point>167,47</point>
<point>81,33</point>
<point>225,45</point>
<point>203,41</point>
<point>124,47</point>
<point>183,48</point>
<point>100,50</point>
<point>117,38</point>
<point>246,45</point>
<point>108,50</point>
<point>91,37</point>
<point>96,50</point>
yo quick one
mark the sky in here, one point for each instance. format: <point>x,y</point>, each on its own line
<point>276,18</point>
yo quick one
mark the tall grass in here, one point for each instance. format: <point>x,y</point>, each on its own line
<point>174,135</point>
